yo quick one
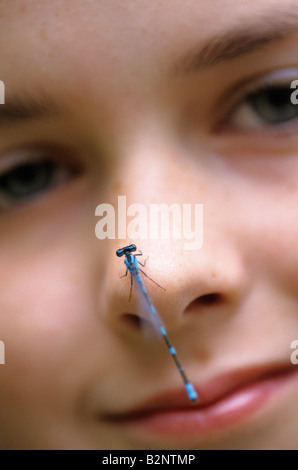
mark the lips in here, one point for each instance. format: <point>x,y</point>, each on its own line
<point>224,401</point>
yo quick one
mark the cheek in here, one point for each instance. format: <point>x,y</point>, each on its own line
<point>275,242</point>
<point>50,304</point>
<point>286,259</point>
<point>50,324</point>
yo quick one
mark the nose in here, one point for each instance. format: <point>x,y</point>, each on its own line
<point>196,296</point>
<point>186,289</point>
<point>209,284</point>
<point>211,279</point>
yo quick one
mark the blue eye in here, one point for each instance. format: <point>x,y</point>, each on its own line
<point>265,102</point>
<point>28,180</point>
<point>273,104</point>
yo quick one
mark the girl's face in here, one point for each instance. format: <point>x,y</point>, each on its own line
<point>161,102</point>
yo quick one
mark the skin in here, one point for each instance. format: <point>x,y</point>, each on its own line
<point>134,129</point>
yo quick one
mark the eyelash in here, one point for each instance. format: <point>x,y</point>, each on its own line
<point>37,173</point>
<point>31,178</point>
<point>272,92</point>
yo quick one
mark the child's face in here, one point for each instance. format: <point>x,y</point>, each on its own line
<point>163,102</point>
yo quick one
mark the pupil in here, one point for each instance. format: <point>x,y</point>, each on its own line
<point>27,179</point>
<point>274,105</point>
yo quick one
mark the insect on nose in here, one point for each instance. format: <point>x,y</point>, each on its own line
<point>135,272</point>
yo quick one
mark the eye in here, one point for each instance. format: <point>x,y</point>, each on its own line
<point>27,180</point>
<point>267,104</point>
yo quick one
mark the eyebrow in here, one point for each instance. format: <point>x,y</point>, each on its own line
<point>24,108</point>
<point>236,43</point>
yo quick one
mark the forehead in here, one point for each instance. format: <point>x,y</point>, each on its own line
<point>88,45</point>
<point>128,31</point>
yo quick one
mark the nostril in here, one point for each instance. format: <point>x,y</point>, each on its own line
<point>136,321</point>
<point>133,320</point>
<point>209,299</point>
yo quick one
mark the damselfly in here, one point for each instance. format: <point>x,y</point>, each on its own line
<point>132,266</point>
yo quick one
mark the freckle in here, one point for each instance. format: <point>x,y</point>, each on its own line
<point>43,35</point>
<point>116,186</point>
<point>292,188</point>
<point>213,274</point>
<point>23,9</point>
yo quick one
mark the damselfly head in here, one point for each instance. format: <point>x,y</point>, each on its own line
<point>126,250</point>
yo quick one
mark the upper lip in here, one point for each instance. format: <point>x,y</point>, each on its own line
<point>211,392</point>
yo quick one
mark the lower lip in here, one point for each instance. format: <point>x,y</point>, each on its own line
<point>230,410</point>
